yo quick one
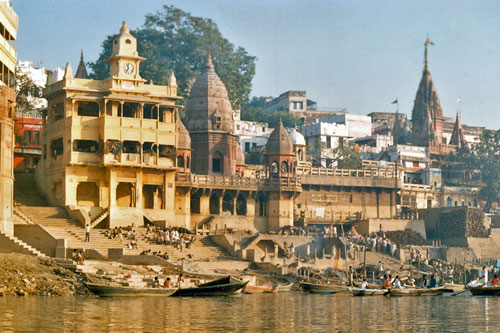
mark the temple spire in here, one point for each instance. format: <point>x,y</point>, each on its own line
<point>81,71</point>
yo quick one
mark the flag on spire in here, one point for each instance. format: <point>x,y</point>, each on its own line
<point>429,42</point>
<point>395,101</point>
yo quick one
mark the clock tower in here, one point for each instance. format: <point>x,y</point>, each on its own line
<point>124,61</point>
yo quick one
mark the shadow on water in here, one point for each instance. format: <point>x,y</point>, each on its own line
<point>287,312</point>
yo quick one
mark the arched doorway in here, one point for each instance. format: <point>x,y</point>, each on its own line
<point>241,205</point>
<point>214,204</point>
<point>87,194</point>
<point>228,203</point>
<point>124,195</point>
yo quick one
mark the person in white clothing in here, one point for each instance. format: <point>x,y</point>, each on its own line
<point>483,276</point>
<point>397,283</point>
<point>363,284</point>
<point>87,233</point>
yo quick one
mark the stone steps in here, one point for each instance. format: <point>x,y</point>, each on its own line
<point>18,245</point>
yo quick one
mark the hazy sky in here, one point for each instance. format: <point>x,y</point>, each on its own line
<point>358,55</point>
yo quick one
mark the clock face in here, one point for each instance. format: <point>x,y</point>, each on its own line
<point>128,68</point>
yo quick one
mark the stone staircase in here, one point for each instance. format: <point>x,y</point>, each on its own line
<point>484,248</point>
<point>14,244</point>
<point>33,208</point>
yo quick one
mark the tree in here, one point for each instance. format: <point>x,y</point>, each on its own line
<point>172,39</point>
<point>483,157</point>
<point>347,156</point>
<point>26,94</point>
<point>253,112</point>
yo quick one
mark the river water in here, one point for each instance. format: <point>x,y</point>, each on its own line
<point>286,312</point>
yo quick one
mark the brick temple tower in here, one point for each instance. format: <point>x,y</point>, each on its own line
<point>209,120</point>
<point>427,115</point>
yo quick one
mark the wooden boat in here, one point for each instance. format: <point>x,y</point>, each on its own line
<point>120,291</point>
<point>416,291</point>
<point>221,287</point>
<point>453,288</point>
<point>324,288</point>
<point>249,289</point>
<point>368,292</point>
<point>284,287</point>
<point>485,291</point>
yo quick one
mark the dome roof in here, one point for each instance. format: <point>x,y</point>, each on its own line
<point>184,140</point>
<point>297,138</point>
<point>279,142</point>
<point>208,106</point>
<point>240,156</point>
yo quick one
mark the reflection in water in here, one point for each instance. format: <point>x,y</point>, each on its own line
<point>286,312</point>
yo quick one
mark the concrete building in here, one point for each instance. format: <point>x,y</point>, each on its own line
<point>8,60</point>
<point>296,103</point>
<point>251,133</point>
<point>357,126</point>
<point>322,138</point>
<point>109,147</point>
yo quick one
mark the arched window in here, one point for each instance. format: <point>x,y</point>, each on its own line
<point>180,161</point>
<point>300,154</point>
<point>187,162</point>
<point>284,167</point>
<point>274,167</point>
<point>218,163</point>
<point>448,202</point>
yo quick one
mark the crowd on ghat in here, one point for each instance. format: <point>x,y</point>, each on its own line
<point>375,242</point>
<point>154,235</point>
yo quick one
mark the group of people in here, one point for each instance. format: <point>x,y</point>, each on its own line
<point>167,283</point>
<point>155,253</point>
<point>169,236</point>
<point>78,257</point>
<point>123,233</point>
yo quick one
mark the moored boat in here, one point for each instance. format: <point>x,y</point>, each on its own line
<point>121,291</point>
<point>485,291</point>
<point>417,291</point>
<point>250,289</point>
<point>284,287</point>
<point>368,292</point>
<point>324,288</point>
<point>453,288</point>
<point>222,287</point>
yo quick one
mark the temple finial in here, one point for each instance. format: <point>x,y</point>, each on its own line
<point>426,59</point>
<point>209,64</point>
<point>68,72</point>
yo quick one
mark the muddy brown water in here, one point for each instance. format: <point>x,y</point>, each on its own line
<point>287,312</point>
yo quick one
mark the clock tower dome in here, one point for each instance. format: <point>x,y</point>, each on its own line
<point>124,61</point>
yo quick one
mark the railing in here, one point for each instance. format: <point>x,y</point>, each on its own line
<point>234,181</point>
<point>363,173</point>
<point>416,187</point>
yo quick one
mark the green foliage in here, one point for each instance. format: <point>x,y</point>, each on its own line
<point>347,156</point>
<point>253,112</point>
<point>484,156</point>
<point>26,91</point>
<point>172,39</point>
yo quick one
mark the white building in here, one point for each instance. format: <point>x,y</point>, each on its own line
<point>38,75</point>
<point>357,126</point>
<point>322,138</point>
<point>251,133</point>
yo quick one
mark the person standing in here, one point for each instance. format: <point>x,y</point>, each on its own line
<point>87,233</point>
<point>483,276</point>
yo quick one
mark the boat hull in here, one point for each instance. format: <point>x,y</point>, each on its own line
<point>323,288</point>
<point>453,288</point>
<point>417,292</point>
<point>368,292</point>
<point>257,289</point>
<point>119,291</point>
<point>212,290</point>
<point>485,291</point>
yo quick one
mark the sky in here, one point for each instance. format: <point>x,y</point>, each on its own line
<point>354,54</point>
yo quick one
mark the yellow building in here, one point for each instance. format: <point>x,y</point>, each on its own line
<point>109,146</point>
<point>8,60</point>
